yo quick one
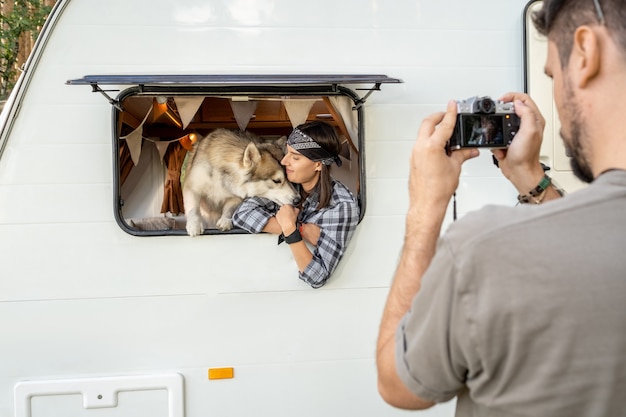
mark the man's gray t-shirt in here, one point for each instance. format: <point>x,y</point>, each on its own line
<point>523,310</point>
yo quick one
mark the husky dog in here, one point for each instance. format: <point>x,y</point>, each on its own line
<point>227,166</point>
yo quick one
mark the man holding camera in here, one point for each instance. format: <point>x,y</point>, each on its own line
<point>536,326</point>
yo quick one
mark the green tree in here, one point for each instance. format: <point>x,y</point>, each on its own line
<point>18,19</point>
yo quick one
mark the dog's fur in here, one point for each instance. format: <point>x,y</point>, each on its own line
<point>227,166</point>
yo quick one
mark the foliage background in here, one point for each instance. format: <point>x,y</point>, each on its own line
<point>20,24</point>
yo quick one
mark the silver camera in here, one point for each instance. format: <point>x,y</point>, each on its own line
<point>484,123</point>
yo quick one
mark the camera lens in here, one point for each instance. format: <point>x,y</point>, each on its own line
<point>486,105</point>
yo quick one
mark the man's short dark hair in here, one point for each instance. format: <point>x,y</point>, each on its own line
<point>560,18</point>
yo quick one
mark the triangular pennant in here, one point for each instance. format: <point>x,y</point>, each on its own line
<point>243,111</point>
<point>187,108</point>
<point>162,148</point>
<point>134,140</point>
<point>344,105</point>
<point>298,110</point>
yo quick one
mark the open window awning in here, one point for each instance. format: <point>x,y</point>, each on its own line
<point>150,82</point>
<point>233,79</point>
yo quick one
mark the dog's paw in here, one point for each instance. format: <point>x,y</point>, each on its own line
<point>224,223</point>
<point>194,227</point>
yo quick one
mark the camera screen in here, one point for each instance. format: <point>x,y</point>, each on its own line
<point>483,130</point>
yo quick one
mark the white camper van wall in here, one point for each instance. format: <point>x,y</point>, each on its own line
<point>89,297</point>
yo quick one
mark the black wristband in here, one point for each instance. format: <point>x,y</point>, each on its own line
<point>294,237</point>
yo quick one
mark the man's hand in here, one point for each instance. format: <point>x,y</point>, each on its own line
<point>520,161</point>
<point>434,175</point>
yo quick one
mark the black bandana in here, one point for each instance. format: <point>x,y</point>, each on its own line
<point>307,146</point>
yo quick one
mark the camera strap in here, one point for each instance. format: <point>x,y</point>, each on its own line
<point>454,206</point>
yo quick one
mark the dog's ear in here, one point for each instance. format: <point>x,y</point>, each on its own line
<point>281,142</point>
<point>251,156</point>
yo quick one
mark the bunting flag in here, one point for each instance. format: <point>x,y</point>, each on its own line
<point>344,106</point>
<point>135,138</point>
<point>298,110</point>
<point>187,108</point>
<point>243,111</point>
<point>162,148</point>
<point>135,141</point>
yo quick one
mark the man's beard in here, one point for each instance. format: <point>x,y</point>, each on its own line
<point>573,144</point>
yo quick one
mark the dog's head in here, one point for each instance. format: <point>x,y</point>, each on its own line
<point>265,175</point>
<point>277,147</point>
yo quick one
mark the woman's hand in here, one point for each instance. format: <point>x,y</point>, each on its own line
<point>287,217</point>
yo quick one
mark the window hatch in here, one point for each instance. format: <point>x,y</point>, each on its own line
<point>237,79</point>
<point>157,118</point>
<point>144,82</point>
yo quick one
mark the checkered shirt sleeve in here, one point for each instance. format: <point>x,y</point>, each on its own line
<point>337,223</point>
<point>253,214</point>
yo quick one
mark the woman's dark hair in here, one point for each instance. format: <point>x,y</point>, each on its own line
<point>560,18</point>
<point>325,136</point>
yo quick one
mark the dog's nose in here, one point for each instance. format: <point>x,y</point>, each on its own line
<point>296,199</point>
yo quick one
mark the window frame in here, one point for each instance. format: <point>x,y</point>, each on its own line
<point>230,85</point>
<point>227,91</point>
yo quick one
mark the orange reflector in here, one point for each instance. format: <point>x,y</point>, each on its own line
<point>221,373</point>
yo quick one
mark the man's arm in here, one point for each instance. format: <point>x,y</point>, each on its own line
<point>520,161</point>
<point>433,178</point>
<point>422,232</point>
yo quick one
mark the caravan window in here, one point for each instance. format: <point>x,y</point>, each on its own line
<point>155,130</point>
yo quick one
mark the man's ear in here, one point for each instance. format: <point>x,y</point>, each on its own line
<point>585,59</point>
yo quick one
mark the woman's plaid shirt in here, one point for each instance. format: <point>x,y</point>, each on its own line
<point>337,223</point>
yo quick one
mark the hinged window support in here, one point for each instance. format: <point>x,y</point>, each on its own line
<point>115,103</point>
<point>363,99</point>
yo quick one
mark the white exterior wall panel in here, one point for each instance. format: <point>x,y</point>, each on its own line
<point>81,298</point>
